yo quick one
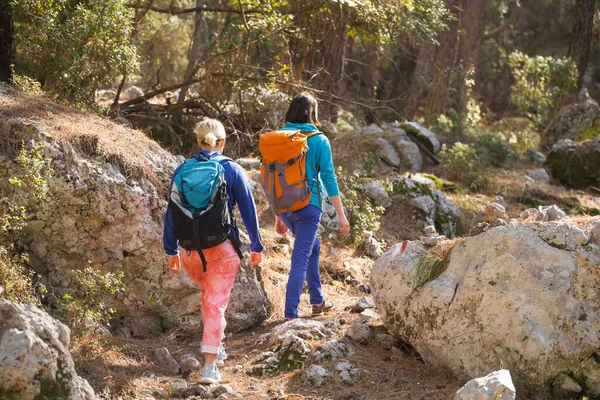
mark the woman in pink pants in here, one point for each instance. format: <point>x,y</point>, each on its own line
<point>215,278</point>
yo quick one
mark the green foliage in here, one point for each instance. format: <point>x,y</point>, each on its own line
<point>494,149</point>
<point>74,46</point>
<point>25,83</point>
<point>32,173</point>
<point>84,307</point>
<point>463,163</point>
<point>542,85</point>
<point>362,213</point>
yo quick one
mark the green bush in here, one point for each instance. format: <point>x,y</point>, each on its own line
<point>494,149</point>
<point>542,85</point>
<point>362,213</point>
<point>74,47</point>
<point>462,162</point>
<point>30,176</point>
<point>83,308</point>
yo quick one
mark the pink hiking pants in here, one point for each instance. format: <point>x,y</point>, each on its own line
<point>222,263</point>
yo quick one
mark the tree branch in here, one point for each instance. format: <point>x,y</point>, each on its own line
<point>179,11</point>
<point>514,6</point>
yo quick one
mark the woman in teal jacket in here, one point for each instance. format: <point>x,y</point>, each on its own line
<point>302,115</point>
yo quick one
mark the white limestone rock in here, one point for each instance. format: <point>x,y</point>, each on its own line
<point>534,285</point>
<point>497,385</point>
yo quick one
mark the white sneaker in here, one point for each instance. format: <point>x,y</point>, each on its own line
<point>210,375</point>
<point>221,357</point>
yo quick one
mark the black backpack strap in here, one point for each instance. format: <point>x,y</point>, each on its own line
<point>197,242</point>
<point>236,244</point>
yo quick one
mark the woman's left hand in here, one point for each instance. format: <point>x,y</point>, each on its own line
<point>344,225</point>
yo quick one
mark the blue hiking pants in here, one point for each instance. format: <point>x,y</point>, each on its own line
<point>303,224</point>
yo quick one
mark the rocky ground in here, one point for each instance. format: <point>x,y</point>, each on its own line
<point>108,201</point>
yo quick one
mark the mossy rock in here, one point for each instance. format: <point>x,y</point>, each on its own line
<point>576,165</point>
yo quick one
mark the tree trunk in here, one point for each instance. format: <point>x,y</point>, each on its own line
<point>581,38</point>
<point>471,29</point>
<point>437,95</point>
<point>333,54</point>
<point>420,78</point>
<point>193,55</point>
<point>6,41</point>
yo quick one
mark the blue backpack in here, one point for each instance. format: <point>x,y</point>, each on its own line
<point>200,205</point>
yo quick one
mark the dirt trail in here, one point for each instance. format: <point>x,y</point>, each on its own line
<point>126,368</point>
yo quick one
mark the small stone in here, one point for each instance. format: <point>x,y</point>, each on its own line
<point>553,212</point>
<point>493,211</point>
<point>197,390</point>
<point>148,374</point>
<point>369,314</point>
<point>343,321</point>
<point>317,375</point>
<point>385,340</point>
<point>332,350</point>
<point>596,232</point>
<point>499,222</point>
<point>430,230</point>
<point>565,387</point>
<point>178,384</point>
<point>166,361</point>
<point>500,200</point>
<point>432,241</point>
<point>497,385</point>
<point>527,180</point>
<point>365,288</point>
<point>223,391</point>
<point>188,361</point>
<point>348,372</point>
<point>360,332</point>
<point>529,213</point>
<point>539,175</point>
<point>363,304</point>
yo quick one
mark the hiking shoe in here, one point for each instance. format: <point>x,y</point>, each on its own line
<point>210,375</point>
<point>318,309</point>
<point>221,357</point>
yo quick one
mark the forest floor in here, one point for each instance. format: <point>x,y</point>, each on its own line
<point>121,368</point>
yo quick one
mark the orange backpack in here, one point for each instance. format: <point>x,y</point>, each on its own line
<point>283,169</point>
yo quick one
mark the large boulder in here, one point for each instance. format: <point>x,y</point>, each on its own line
<point>34,356</point>
<point>423,135</point>
<point>105,209</point>
<point>575,164</point>
<point>576,122</point>
<point>521,297</point>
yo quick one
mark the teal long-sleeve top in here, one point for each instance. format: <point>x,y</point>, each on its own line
<point>318,155</point>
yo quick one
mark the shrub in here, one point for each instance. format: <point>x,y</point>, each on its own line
<point>494,149</point>
<point>83,307</point>
<point>463,163</point>
<point>31,174</point>
<point>434,262</point>
<point>74,47</point>
<point>542,85</point>
<point>362,213</point>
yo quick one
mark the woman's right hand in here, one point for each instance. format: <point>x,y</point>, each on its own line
<point>280,226</point>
